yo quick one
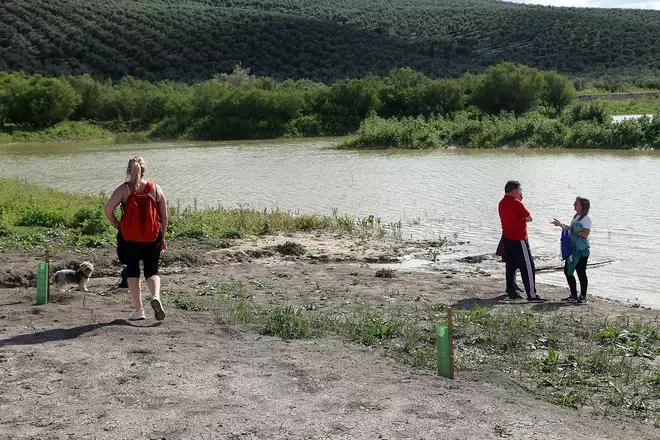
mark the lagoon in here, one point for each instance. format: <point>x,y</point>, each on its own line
<point>439,193</point>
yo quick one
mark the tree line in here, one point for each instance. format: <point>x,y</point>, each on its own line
<point>243,106</point>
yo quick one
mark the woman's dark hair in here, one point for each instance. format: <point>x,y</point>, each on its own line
<point>586,204</point>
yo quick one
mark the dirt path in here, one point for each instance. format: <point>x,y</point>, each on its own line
<point>68,371</point>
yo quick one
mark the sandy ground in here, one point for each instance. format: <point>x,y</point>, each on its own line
<point>69,370</point>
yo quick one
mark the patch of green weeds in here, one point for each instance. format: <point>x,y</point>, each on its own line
<point>232,289</point>
<point>415,346</point>
<point>370,227</point>
<point>497,332</point>
<point>184,302</point>
<point>345,223</point>
<point>569,396</point>
<point>369,328</point>
<point>291,248</point>
<point>635,340</point>
<point>231,234</point>
<point>242,312</point>
<point>571,360</point>
<point>291,323</point>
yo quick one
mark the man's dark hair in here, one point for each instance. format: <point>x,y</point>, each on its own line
<point>511,185</point>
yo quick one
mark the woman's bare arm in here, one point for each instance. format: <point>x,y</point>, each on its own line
<point>115,199</point>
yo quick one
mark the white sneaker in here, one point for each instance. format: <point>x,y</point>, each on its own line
<point>137,315</point>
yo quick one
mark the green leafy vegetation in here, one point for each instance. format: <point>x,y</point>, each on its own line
<point>64,131</point>
<point>33,216</point>
<point>36,216</point>
<point>582,126</point>
<point>573,360</point>
<point>509,104</point>
<point>190,40</point>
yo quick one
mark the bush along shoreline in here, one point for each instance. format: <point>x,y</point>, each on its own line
<point>583,126</point>
<point>509,104</point>
<point>32,216</point>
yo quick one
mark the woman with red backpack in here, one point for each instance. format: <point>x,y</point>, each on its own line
<point>141,234</point>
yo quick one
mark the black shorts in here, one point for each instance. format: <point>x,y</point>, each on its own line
<point>131,252</point>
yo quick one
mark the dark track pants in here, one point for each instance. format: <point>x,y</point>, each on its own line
<point>519,257</point>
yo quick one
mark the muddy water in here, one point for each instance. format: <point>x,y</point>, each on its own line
<point>434,194</point>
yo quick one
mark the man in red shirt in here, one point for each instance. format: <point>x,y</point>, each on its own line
<point>514,217</point>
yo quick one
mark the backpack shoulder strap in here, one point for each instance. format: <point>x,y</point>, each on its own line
<point>148,187</point>
<point>127,191</point>
<point>152,189</point>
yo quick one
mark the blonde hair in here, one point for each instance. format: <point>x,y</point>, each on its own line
<point>135,170</point>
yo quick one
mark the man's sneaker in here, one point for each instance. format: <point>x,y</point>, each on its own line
<point>159,313</point>
<point>536,298</point>
<point>137,315</point>
<point>582,300</point>
<point>571,298</point>
<point>514,296</point>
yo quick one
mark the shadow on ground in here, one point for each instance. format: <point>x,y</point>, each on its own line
<point>545,306</point>
<point>470,303</point>
<point>61,334</point>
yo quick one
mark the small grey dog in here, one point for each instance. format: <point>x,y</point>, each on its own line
<point>79,276</point>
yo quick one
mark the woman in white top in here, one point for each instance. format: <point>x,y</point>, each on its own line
<point>579,228</point>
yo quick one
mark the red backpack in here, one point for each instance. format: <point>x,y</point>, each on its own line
<point>140,220</point>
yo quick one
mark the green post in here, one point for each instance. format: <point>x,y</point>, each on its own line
<point>444,347</point>
<point>42,283</point>
<point>442,350</point>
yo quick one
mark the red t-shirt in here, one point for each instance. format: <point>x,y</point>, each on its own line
<point>512,215</point>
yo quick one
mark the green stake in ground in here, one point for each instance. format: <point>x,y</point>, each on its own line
<point>444,346</point>
<point>42,283</point>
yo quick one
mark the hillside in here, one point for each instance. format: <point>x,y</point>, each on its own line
<point>321,40</point>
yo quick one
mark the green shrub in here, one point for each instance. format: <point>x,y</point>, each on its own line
<point>345,104</point>
<point>629,133</point>
<point>378,133</point>
<point>508,87</point>
<point>652,137</point>
<point>96,225</point>
<point>171,127</point>
<point>248,113</point>
<point>586,111</point>
<point>306,126</point>
<point>91,220</point>
<point>46,216</point>
<point>549,132</point>
<point>35,100</point>
<point>556,92</point>
<point>589,134</point>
